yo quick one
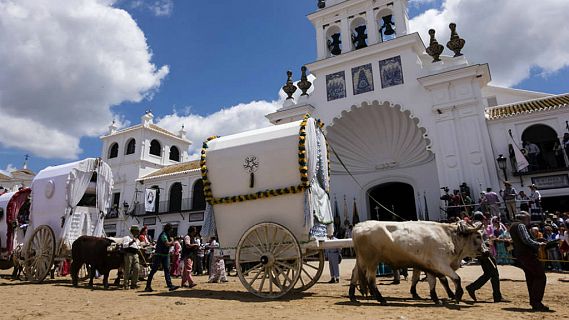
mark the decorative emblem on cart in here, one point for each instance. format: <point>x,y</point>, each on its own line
<point>251,165</point>
<point>49,189</point>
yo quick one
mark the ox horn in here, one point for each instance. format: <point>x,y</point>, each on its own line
<point>466,229</point>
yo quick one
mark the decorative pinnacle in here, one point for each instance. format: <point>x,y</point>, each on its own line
<point>456,43</point>
<point>304,84</point>
<point>289,88</point>
<point>435,49</point>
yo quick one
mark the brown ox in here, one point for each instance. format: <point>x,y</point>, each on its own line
<point>434,247</point>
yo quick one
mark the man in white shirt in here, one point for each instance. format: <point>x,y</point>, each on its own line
<point>533,152</point>
<point>535,203</point>
<point>131,246</point>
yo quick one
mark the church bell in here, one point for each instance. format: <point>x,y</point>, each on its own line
<point>388,25</point>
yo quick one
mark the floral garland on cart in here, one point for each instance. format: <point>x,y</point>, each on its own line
<point>303,169</point>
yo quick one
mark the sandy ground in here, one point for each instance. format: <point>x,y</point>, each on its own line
<point>57,299</point>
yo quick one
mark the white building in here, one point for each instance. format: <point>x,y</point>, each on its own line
<point>147,156</point>
<point>15,179</point>
<point>406,123</point>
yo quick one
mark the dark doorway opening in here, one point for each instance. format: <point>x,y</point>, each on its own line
<point>552,204</point>
<point>175,203</point>
<point>396,196</point>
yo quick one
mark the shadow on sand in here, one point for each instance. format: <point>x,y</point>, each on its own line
<point>241,296</point>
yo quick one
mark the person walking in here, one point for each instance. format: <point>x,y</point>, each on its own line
<point>489,267</point>
<point>189,252</point>
<point>525,252</point>
<point>509,195</point>
<point>131,246</point>
<point>162,257</point>
<point>334,256</point>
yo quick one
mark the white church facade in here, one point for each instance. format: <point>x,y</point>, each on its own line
<point>407,120</point>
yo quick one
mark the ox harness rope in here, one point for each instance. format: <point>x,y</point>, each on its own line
<point>361,187</point>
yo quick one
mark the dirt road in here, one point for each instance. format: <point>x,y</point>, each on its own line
<point>57,299</point>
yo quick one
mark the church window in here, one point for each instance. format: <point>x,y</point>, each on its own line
<point>174,154</point>
<point>334,40</point>
<point>198,197</point>
<point>155,148</point>
<point>542,148</point>
<point>114,150</point>
<point>130,146</point>
<point>387,26</point>
<point>359,33</point>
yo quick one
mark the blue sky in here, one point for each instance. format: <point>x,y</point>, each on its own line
<point>222,53</point>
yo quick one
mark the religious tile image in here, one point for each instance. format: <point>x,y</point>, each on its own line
<point>336,85</point>
<point>362,78</point>
<point>391,72</point>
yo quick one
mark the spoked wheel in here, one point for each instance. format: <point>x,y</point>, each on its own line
<point>268,260</point>
<point>6,264</point>
<point>312,267</point>
<point>39,253</point>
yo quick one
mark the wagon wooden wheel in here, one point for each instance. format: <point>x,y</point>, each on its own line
<point>312,267</point>
<point>39,253</point>
<point>268,260</point>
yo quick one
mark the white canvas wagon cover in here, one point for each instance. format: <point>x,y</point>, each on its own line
<point>276,174</point>
<point>57,190</point>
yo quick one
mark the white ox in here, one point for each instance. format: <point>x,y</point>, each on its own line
<point>436,248</point>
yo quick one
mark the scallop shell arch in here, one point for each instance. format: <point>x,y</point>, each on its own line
<point>378,136</point>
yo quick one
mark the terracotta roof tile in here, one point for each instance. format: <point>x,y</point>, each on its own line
<point>173,169</point>
<point>529,106</point>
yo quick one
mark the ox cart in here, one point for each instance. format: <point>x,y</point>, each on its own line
<point>67,201</point>
<point>268,203</point>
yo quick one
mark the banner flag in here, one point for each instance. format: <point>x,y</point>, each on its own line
<point>149,200</point>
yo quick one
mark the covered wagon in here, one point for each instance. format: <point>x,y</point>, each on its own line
<point>14,215</point>
<point>67,201</point>
<point>268,202</point>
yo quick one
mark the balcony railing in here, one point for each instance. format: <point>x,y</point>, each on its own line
<point>185,205</point>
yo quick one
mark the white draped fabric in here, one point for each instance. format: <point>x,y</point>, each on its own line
<point>209,229</point>
<point>104,191</point>
<point>319,199</point>
<point>78,181</point>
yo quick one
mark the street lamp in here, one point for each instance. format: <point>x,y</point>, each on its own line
<point>501,160</point>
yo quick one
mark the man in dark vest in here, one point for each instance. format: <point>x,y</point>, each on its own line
<point>525,252</point>
<point>162,257</point>
<point>489,267</point>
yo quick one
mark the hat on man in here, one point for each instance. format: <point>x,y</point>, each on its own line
<point>507,183</point>
<point>532,186</point>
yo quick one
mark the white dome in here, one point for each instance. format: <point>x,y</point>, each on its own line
<point>377,137</point>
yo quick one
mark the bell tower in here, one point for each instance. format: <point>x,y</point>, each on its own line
<point>347,25</point>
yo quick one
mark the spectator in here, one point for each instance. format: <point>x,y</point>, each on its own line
<point>533,154</point>
<point>524,201</point>
<point>535,203</point>
<point>509,196</point>
<point>175,265</point>
<point>566,143</point>
<point>492,201</point>
<point>334,256</point>
<point>188,256</point>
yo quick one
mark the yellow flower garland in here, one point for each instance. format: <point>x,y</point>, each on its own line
<point>303,169</point>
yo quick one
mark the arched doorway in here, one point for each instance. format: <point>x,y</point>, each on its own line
<point>175,200</point>
<point>198,197</point>
<point>545,138</point>
<point>398,197</point>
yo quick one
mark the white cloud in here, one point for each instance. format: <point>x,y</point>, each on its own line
<point>513,36</point>
<point>10,167</point>
<point>162,7</point>
<point>157,7</point>
<point>238,118</point>
<point>63,67</point>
